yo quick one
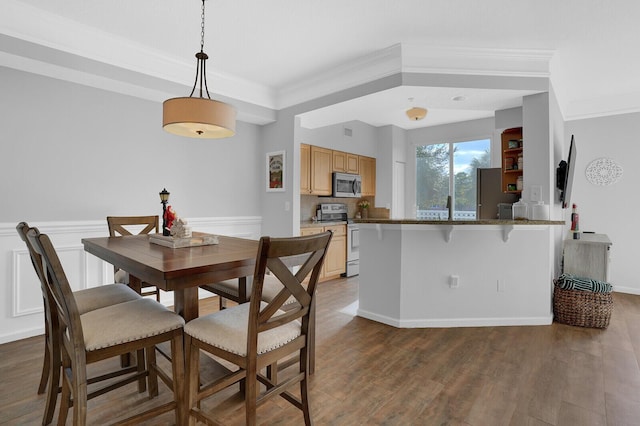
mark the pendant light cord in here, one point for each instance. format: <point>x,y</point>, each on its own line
<point>201,67</point>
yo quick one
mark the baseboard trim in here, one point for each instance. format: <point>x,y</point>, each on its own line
<point>456,322</point>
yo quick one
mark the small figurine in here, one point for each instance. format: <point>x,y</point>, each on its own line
<point>180,229</point>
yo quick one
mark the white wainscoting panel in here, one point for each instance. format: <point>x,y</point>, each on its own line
<point>21,314</point>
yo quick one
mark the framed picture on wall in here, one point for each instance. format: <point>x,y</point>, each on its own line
<point>275,171</point>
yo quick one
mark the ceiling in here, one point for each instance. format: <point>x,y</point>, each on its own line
<point>269,55</point>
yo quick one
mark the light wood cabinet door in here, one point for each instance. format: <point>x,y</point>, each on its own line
<point>312,231</point>
<point>335,261</point>
<point>352,165</point>
<point>305,169</point>
<point>345,162</point>
<point>368,172</point>
<point>339,161</point>
<point>321,168</point>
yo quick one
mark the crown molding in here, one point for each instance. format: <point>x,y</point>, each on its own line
<point>423,58</point>
<point>603,106</point>
<point>364,69</point>
<point>418,58</point>
<point>58,34</point>
<point>50,45</point>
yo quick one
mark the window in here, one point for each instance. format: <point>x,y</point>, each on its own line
<point>449,169</point>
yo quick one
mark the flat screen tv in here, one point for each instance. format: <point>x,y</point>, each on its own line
<point>564,175</point>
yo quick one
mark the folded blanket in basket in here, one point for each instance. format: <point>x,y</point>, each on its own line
<point>571,282</point>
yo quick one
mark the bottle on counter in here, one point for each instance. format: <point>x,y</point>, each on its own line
<point>575,222</point>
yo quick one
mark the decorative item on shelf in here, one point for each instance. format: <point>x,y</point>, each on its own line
<point>508,163</point>
<point>520,162</point>
<point>164,199</point>
<point>364,208</point>
<point>199,117</point>
<point>519,183</point>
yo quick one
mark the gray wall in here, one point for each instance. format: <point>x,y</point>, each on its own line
<point>71,152</point>
<point>609,209</point>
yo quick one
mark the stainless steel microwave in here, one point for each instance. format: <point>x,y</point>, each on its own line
<point>347,185</point>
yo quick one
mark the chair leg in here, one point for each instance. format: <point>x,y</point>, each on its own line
<point>177,367</point>
<point>304,393</point>
<point>65,400</point>
<point>251,393</point>
<point>193,377</point>
<point>53,384</point>
<point>79,401</point>
<point>44,377</point>
<point>151,369</point>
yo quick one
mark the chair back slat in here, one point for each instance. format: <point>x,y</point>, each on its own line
<point>60,291</point>
<point>118,225</point>
<point>279,255</point>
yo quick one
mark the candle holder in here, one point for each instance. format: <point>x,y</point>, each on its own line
<point>164,199</point>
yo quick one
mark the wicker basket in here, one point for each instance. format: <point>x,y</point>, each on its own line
<point>582,308</point>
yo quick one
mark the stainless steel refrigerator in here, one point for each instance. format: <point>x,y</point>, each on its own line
<point>489,195</point>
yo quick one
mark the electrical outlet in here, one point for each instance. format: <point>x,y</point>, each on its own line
<point>536,193</point>
<point>454,281</point>
<point>500,286</point>
<point>287,206</point>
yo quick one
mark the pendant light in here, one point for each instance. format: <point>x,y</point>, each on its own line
<point>199,117</point>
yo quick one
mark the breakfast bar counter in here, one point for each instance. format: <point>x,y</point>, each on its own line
<point>422,273</point>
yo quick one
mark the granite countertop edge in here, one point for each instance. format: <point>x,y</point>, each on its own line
<point>459,222</point>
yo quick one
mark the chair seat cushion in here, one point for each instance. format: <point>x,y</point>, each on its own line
<point>94,298</point>
<point>127,322</point>
<point>227,329</point>
<point>227,286</point>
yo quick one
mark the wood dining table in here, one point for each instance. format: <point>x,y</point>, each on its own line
<point>180,270</point>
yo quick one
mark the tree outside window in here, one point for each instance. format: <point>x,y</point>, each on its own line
<point>449,169</point>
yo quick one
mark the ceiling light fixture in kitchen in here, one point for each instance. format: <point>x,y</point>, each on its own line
<point>416,113</point>
<point>199,117</point>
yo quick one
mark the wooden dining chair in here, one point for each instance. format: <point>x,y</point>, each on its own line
<point>124,225</point>
<point>257,334</point>
<point>87,300</point>
<point>233,289</point>
<point>134,326</point>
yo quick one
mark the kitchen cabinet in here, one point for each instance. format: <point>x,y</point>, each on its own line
<point>367,166</point>
<point>305,169</point>
<point>321,166</point>
<point>345,162</point>
<point>512,161</point>
<point>587,257</point>
<point>335,260</point>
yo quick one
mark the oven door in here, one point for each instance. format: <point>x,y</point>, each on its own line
<point>346,185</point>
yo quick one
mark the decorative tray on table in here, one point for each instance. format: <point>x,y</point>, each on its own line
<point>201,239</point>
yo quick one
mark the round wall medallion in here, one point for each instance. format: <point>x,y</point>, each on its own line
<point>603,171</point>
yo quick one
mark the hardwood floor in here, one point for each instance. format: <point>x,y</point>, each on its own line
<point>372,374</point>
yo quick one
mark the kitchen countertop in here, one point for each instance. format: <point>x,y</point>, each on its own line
<point>460,222</point>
